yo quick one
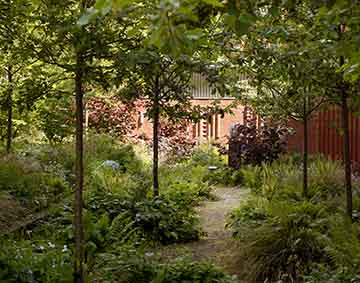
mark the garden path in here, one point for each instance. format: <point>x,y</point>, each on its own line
<point>218,245</point>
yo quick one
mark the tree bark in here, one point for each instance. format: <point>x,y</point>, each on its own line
<point>306,148</point>
<point>9,112</point>
<point>78,207</point>
<point>156,141</point>
<point>346,153</point>
<point>346,136</point>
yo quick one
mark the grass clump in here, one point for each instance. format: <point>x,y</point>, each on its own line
<point>287,238</point>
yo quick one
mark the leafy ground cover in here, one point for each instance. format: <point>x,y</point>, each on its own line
<point>287,238</point>
<point>122,218</point>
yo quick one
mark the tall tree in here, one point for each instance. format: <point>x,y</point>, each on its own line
<point>80,52</point>
<point>13,57</point>
<point>161,67</point>
<point>336,28</point>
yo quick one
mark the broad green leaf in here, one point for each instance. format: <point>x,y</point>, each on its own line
<point>214,3</point>
<point>119,4</point>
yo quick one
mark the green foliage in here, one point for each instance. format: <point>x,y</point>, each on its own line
<point>342,248</point>
<point>252,177</point>
<point>282,179</point>
<point>131,266</point>
<point>285,237</point>
<point>27,181</point>
<point>165,221</point>
<point>250,213</point>
<point>56,118</point>
<point>26,262</point>
<point>283,246</point>
<point>206,156</point>
<point>123,195</point>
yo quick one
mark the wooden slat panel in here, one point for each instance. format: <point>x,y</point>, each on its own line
<point>325,137</point>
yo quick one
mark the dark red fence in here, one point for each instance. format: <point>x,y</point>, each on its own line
<point>325,135</point>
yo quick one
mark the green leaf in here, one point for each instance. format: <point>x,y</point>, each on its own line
<point>243,24</point>
<point>214,3</point>
<point>274,11</point>
<point>102,4</point>
<point>120,4</point>
<point>194,34</point>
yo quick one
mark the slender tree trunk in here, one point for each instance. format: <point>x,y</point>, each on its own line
<point>306,148</point>
<point>78,218</point>
<point>9,112</point>
<point>156,144</point>
<point>346,137</point>
<point>346,153</point>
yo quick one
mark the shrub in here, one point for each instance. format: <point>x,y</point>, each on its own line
<point>206,156</point>
<point>324,273</point>
<point>256,146</point>
<point>343,250</point>
<point>284,245</point>
<point>183,270</point>
<point>252,178</point>
<point>165,221</point>
<point>26,262</point>
<point>250,213</point>
<point>175,141</point>
<point>56,118</point>
<point>111,116</point>
<point>188,194</point>
<point>27,182</point>
<point>131,266</point>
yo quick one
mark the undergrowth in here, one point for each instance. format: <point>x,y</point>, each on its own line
<point>120,212</point>
<point>286,238</point>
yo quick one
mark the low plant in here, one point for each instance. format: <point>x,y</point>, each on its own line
<point>251,212</point>
<point>29,183</point>
<point>252,178</point>
<point>165,221</point>
<point>132,266</point>
<point>285,244</point>
<point>257,145</point>
<point>29,262</point>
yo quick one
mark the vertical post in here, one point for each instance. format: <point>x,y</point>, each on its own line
<point>10,111</point>
<point>305,157</point>
<point>346,137</point>
<point>78,221</point>
<point>156,139</point>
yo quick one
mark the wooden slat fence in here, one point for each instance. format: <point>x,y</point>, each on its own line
<point>325,135</point>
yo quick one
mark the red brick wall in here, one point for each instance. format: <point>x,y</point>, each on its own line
<point>218,129</point>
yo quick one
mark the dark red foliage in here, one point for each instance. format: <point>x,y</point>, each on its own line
<point>111,116</point>
<point>177,137</point>
<point>251,145</point>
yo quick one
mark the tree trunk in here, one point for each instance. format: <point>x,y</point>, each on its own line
<point>78,221</point>
<point>346,136</point>
<point>306,147</point>
<point>346,153</point>
<point>156,144</point>
<point>10,112</point>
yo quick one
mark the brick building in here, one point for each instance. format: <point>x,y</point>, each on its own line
<point>216,128</point>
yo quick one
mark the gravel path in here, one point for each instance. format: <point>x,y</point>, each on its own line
<point>218,246</point>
